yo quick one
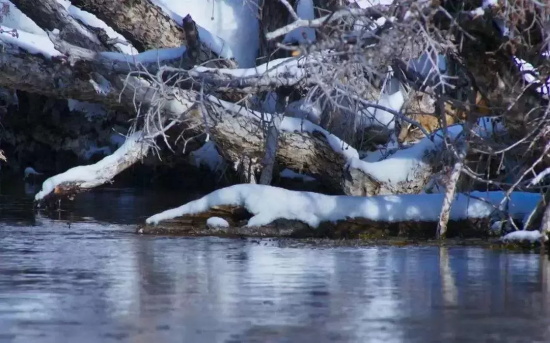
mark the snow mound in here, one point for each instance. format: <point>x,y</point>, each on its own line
<point>522,236</point>
<point>217,222</point>
<point>268,203</point>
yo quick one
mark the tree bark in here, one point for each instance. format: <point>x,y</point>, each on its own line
<point>273,14</point>
<point>50,15</point>
<point>76,180</point>
<point>145,25</point>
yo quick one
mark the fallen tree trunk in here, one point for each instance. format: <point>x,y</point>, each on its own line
<point>91,78</point>
<point>141,22</point>
<point>81,178</point>
<point>50,15</point>
<point>365,230</point>
<point>256,210</point>
<point>148,26</point>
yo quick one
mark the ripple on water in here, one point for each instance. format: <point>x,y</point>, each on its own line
<point>82,280</point>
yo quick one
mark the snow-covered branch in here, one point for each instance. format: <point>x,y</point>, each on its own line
<point>81,178</point>
<point>319,22</point>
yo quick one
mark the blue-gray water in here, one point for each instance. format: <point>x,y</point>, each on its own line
<point>88,278</point>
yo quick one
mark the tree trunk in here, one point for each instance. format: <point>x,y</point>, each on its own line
<point>141,22</point>
<point>273,14</point>
<point>50,15</point>
<point>272,140</point>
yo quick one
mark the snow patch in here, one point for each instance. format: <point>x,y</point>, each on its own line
<point>89,109</point>
<point>370,3</point>
<point>522,235</point>
<point>217,222</point>
<point>149,56</point>
<point>229,27</point>
<point>208,156</point>
<point>531,76</point>
<point>268,203</point>
<point>33,43</point>
<point>290,174</point>
<point>19,20</point>
<point>400,166</point>
<point>303,35</point>
<point>381,118</point>
<point>305,109</point>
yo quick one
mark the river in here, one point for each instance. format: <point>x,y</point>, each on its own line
<point>85,276</point>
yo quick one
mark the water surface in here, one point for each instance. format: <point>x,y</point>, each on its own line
<point>86,277</point>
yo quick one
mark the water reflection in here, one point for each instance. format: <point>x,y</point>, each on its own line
<point>99,282</point>
<point>86,277</point>
<point>109,204</point>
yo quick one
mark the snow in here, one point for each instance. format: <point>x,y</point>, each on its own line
<point>290,174</point>
<point>400,166</point>
<point>488,3</point>
<point>217,222</point>
<point>33,43</point>
<point>92,150</point>
<point>19,21</point>
<point>149,56</point>
<point>370,3</point>
<point>305,109</point>
<point>91,173</point>
<point>91,20</point>
<point>208,156</point>
<point>430,67</point>
<point>267,203</point>
<point>378,117</point>
<point>537,179</point>
<point>290,124</point>
<point>530,75</point>
<point>89,109</point>
<point>30,171</point>
<point>478,12</point>
<point>522,235</point>
<point>303,35</point>
<point>229,27</point>
<point>270,70</point>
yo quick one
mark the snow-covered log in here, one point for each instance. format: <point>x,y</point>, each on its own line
<point>266,205</point>
<point>81,178</point>
<point>140,21</point>
<point>51,15</point>
<point>149,25</point>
